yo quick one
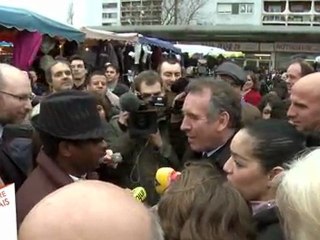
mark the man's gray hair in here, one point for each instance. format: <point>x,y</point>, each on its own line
<point>223,99</point>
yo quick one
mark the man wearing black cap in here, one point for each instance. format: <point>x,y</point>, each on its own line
<point>71,132</point>
<point>233,74</point>
<point>236,77</point>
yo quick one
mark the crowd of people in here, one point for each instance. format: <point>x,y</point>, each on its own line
<point>245,149</point>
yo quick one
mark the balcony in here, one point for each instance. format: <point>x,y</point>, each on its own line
<point>290,19</point>
<point>272,7</point>
<point>291,13</point>
<point>274,19</point>
<point>302,20</point>
<point>300,6</point>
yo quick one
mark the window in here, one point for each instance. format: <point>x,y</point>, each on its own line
<point>235,8</point>
<point>109,15</point>
<point>246,8</point>
<point>224,8</point>
<point>109,5</point>
<point>275,8</point>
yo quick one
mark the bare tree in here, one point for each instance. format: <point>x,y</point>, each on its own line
<point>70,13</point>
<point>181,12</point>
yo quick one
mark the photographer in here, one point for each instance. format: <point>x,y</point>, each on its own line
<point>140,134</point>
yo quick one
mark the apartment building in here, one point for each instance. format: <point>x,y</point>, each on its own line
<point>291,12</point>
<point>141,12</point>
<point>111,12</point>
<point>230,12</point>
<point>288,13</point>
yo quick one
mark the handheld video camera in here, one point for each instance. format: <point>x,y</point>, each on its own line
<point>143,119</point>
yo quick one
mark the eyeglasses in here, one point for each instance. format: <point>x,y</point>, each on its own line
<point>22,97</point>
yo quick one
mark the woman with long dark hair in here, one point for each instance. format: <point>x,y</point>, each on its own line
<point>259,153</point>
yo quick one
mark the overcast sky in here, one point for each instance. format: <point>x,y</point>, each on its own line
<point>54,9</point>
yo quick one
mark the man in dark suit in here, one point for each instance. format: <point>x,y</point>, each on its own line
<point>71,132</point>
<point>212,115</point>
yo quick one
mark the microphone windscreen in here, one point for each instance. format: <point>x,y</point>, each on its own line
<point>162,179</point>
<point>129,102</point>
<point>179,85</point>
<point>139,193</point>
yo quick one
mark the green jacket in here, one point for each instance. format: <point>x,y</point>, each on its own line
<point>141,158</point>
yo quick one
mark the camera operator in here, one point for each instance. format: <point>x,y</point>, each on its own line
<point>140,134</point>
<point>171,73</point>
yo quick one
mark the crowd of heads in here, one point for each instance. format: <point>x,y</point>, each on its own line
<point>266,136</point>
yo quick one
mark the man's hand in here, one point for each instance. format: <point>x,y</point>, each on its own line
<point>156,139</point>
<point>1,182</point>
<point>179,97</point>
<point>123,118</point>
<point>107,159</point>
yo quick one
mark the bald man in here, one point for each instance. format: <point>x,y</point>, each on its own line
<point>15,105</point>
<point>15,95</point>
<point>90,210</point>
<point>304,111</point>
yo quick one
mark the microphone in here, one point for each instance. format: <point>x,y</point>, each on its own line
<point>164,177</point>
<point>179,85</point>
<point>130,102</point>
<point>139,193</point>
<point>115,158</point>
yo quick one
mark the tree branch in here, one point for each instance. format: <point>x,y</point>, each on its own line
<point>168,12</point>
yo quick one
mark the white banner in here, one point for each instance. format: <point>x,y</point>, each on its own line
<point>8,218</point>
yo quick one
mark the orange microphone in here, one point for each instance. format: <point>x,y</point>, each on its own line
<point>164,177</point>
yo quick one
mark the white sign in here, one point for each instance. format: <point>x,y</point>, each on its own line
<point>8,218</point>
<point>297,47</point>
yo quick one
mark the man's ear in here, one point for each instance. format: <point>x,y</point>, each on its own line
<point>65,149</point>
<point>223,121</point>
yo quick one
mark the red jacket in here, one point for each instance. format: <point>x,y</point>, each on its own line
<point>253,97</point>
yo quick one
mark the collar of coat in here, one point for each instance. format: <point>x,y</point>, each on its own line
<point>55,173</point>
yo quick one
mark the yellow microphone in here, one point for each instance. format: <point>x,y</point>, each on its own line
<point>164,177</point>
<point>139,193</point>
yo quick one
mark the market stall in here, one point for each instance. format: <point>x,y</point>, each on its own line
<point>199,49</point>
<point>95,34</point>
<point>131,52</point>
<point>25,29</point>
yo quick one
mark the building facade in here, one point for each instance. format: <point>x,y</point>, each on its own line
<point>230,12</point>
<point>291,12</point>
<point>265,12</point>
<point>141,12</point>
<point>111,12</point>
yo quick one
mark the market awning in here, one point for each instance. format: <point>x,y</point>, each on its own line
<point>159,43</point>
<point>106,35</point>
<point>200,49</point>
<point>22,19</point>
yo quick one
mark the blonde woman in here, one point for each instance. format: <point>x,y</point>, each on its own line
<point>298,199</point>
